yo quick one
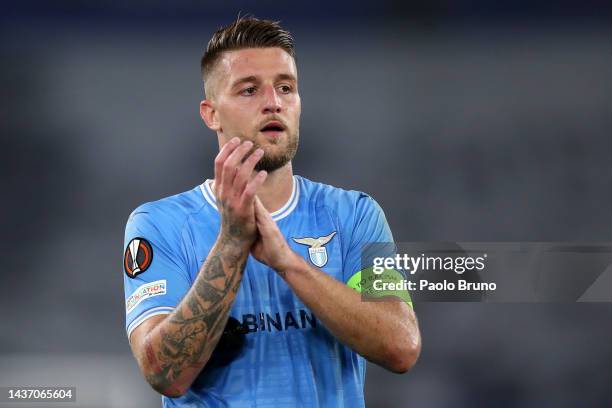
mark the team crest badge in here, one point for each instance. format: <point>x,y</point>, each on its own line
<point>138,256</point>
<point>316,248</point>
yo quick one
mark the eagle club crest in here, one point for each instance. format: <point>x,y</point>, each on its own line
<point>316,249</point>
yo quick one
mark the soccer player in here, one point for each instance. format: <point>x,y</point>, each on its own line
<point>244,291</point>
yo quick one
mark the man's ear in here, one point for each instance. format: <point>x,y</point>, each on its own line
<point>209,115</point>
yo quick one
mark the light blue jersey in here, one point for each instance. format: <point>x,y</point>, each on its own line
<point>288,359</point>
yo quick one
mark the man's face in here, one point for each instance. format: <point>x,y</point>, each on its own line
<point>255,97</point>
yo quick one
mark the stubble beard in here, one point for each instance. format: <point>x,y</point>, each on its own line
<point>274,161</point>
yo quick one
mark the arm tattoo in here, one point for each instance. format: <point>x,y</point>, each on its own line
<point>196,325</point>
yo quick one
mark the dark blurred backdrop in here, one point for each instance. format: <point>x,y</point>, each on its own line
<point>466,120</point>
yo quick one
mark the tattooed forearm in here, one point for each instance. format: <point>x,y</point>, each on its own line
<point>179,345</point>
<point>182,345</point>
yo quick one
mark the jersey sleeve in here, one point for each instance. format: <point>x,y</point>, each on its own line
<point>371,239</point>
<point>154,264</point>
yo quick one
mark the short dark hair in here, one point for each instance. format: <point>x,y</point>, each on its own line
<point>245,32</point>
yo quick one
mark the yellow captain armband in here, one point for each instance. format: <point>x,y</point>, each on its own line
<point>388,283</point>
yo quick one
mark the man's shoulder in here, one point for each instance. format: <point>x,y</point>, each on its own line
<point>332,196</point>
<point>174,209</point>
<point>350,208</point>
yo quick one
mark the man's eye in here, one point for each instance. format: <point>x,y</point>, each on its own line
<point>248,91</point>
<point>285,89</point>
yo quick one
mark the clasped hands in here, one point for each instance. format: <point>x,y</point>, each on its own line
<point>245,222</point>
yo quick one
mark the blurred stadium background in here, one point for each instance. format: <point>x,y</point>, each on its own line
<point>466,120</point>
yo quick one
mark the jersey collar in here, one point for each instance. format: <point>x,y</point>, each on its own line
<point>281,213</point>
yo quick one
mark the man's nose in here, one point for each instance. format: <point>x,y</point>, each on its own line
<point>272,100</point>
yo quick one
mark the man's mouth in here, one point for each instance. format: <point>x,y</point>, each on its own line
<point>273,128</point>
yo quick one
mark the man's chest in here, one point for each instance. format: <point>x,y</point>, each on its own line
<point>316,236</point>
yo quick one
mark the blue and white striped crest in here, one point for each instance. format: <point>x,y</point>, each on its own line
<point>316,250</point>
<point>318,256</point>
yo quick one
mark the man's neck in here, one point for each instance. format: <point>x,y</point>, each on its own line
<point>276,190</point>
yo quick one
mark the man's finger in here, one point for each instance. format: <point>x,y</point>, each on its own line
<point>232,163</point>
<point>246,171</point>
<point>259,209</point>
<point>224,153</point>
<point>251,189</point>
<point>263,218</point>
